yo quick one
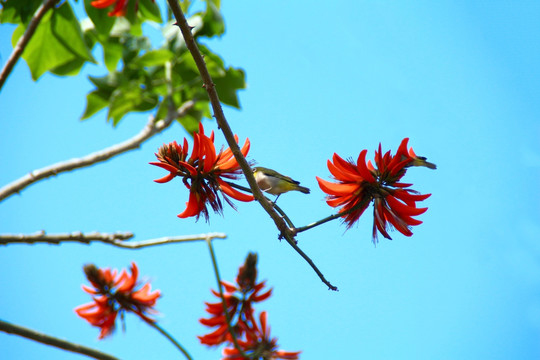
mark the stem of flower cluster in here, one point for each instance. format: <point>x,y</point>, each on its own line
<point>223,302</point>
<point>362,203</point>
<point>171,339</point>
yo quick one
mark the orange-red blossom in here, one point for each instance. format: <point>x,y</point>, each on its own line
<point>203,172</point>
<point>360,183</point>
<point>114,292</point>
<point>253,339</point>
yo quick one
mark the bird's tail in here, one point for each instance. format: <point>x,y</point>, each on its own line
<point>305,190</point>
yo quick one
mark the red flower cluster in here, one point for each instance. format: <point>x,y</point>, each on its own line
<point>115,292</point>
<point>359,183</point>
<point>254,339</point>
<point>202,173</point>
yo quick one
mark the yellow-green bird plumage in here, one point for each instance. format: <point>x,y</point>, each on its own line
<point>275,183</point>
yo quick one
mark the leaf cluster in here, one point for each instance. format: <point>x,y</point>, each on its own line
<point>140,77</point>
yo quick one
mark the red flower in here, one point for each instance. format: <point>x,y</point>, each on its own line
<point>202,173</point>
<point>113,293</point>
<point>258,344</point>
<point>239,300</point>
<point>119,8</point>
<point>359,183</point>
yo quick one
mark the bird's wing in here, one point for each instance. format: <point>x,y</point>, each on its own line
<point>286,178</point>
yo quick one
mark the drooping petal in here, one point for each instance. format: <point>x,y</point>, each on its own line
<point>192,207</point>
<point>401,208</point>
<point>396,221</point>
<point>166,178</point>
<point>214,321</point>
<point>229,190</point>
<point>337,189</point>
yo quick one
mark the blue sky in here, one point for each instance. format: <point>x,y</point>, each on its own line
<point>460,79</point>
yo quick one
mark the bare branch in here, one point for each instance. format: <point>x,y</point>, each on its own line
<point>24,40</point>
<point>53,341</point>
<point>152,127</point>
<point>285,232</point>
<point>116,239</point>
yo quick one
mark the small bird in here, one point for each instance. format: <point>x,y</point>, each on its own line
<point>275,183</point>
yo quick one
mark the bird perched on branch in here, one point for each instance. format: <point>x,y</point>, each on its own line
<point>275,183</point>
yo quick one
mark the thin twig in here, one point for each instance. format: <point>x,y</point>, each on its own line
<point>152,127</point>
<point>363,203</point>
<point>285,231</point>
<point>115,239</point>
<point>278,209</point>
<point>223,301</point>
<point>53,341</point>
<point>24,39</point>
<point>171,339</point>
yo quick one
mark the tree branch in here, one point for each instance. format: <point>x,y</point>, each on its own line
<point>115,239</point>
<point>285,231</point>
<point>53,341</point>
<point>24,40</point>
<point>152,127</point>
<point>171,339</point>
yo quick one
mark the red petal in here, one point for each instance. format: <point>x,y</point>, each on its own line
<point>214,321</point>
<point>263,296</point>
<point>228,286</point>
<point>210,154</point>
<point>340,175</point>
<point>398,223</point>
<point>189,168</point>
<point>192,207</point>
<point>165,166</point>
<point>362,168</point>
<point>166,178</point>
<point>227,189</point>
<point>337,189</point>
<point>100,4</point>
<point>399,208</point>
<point>407,196</point>
<point>345,167</point>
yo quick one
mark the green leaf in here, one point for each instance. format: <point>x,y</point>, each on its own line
<point>193,117</point>
<point>107,83</point>
<point>70,68</point>
<point>102,21</point>
<point>184,5</point>
<point>130,98</point>
<point>58,41</point>
<point>216,3</point>
<point>228,85</point>
<point>148,10</point>
<point>213,24</point>
<point>154,58</point>
<point>18,11</point>
<point>95,101</point>
<point>132,46</point>
<point>112,52</point>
